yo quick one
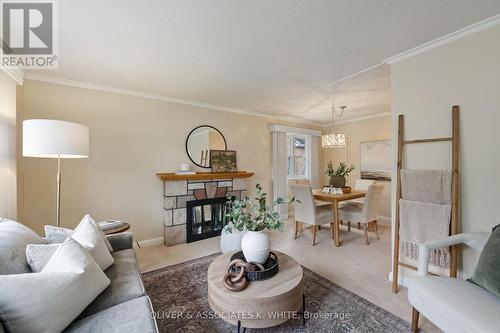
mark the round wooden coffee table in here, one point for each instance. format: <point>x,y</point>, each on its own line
<point>263,303</point>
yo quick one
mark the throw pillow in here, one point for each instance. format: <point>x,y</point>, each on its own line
<point>487,271</point>
<point>56,235</point>
<point>38,255</point>
<point>13,240</point>
<point>91,237</point>
<point>50,300</point>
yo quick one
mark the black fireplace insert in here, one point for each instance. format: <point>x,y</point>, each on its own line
<point>205,218</point>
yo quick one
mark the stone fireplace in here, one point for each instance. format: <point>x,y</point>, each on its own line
<point>180,190</point>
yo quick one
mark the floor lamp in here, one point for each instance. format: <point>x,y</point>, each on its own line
<point>55,139</point>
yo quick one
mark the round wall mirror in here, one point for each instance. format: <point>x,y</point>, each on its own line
<point>200,141</point>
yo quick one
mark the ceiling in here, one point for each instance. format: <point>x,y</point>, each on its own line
<point>279,58</point>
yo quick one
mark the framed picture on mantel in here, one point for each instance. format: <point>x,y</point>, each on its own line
<point>223,160</point>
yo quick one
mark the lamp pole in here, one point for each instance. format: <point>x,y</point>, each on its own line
<point>58,194</point>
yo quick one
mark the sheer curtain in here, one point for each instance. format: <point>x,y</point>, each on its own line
<point>280,161</point>
<point>315,183</point>
<point>280,166</point>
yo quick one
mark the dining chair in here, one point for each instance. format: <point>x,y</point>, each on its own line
<point>367,213</point>
<point>308,182</point>
<point>359,185</point>
<point>307,212</point>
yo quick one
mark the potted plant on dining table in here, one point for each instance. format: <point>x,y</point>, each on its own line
<point>338,174</point>
<point>255,217</point>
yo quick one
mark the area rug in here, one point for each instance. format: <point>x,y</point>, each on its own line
<point>179,297</point>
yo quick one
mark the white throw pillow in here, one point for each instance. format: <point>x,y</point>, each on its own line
<point>50,300</point>
<point>91,237</point>
<point>58,235</point>
<point>38,255</point>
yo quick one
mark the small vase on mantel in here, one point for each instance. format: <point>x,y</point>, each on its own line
<point>256,246</point>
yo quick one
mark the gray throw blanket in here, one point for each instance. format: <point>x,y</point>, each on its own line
<point>425,212</point>
<point>432,186</point>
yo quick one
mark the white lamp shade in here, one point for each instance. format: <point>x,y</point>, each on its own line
<point>55,138</point>
<point>333,140</point>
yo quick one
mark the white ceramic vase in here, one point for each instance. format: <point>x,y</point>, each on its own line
<point>256,246</point>
<point>231,241</point>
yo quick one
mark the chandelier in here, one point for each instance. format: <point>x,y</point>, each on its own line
<point>334,140</point>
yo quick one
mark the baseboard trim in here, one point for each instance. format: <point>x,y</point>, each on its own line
<point>148,242</point>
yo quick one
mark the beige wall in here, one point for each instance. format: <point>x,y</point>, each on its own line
<point>424,88</point>
<point>131,139</point>
<point>8,196</point>
<point>360,131</point>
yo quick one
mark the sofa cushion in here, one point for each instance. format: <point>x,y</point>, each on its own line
<point>132,316</point>
<point>487,271</point>
<point>14,237</point>
<point>455,305</point>
<point>126,283</point>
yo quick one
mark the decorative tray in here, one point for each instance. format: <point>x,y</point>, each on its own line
<point>271,267</point>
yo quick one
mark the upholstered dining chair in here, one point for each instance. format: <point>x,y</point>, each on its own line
<point>307,212</point>
<point>367,213</point>
<point>308,182</point>
<point>359,185</point>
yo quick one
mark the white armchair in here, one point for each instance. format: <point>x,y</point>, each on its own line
<point>453,305</point>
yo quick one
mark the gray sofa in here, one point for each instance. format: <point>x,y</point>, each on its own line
<point>122,307</point>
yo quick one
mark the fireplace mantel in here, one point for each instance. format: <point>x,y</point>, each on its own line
<point>204,175</point>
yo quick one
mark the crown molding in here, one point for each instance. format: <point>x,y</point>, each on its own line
<point>14,73</point>
<point>141,94</point>
<point>354,119</point>
<point>446,39</point>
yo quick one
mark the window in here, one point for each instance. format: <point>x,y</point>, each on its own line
<point>298,156</point>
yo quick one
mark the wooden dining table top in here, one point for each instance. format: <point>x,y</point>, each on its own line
<point>335,199</point>
<point>355,194</point>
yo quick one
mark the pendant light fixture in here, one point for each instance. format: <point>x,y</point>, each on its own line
<point>334,140</point>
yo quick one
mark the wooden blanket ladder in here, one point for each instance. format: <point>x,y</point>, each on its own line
<point>455,142</point>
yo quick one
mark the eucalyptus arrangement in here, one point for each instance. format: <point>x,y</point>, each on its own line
<point>254,216</point>
<point>338,174</point>
<point>342,169</point>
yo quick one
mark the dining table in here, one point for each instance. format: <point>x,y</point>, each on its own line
<point>335,199</point>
